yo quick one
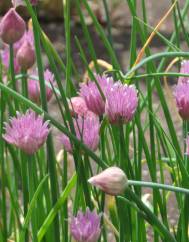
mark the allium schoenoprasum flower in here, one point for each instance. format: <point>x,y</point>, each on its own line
<point>121,103</point>
<point>181,94</point>
<point>87,130</point>
<point>93,98</point>
<point>112,181</point>
<point>12,27</point>
<point>185,70</point>
<point>34,87</point>
<point>85,227</point>
<point>27,131</point>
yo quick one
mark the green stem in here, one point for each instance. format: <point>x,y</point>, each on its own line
<point>2,170</point>
<point>164,232</point>
<point>24,188</point>
<point>24,84</point>
<point>31,189</point>
<point>159,74</point>
<point>158,186</point>
<point>155,57</point>
<point>50,149</point>
<point>11,60</point>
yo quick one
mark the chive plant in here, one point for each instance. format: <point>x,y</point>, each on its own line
<point>102,132</point>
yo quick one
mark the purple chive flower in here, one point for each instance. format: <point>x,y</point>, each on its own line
<point>85,227</point>
<point>12,27</point>
<point>87,130</point>
<point>34,87</point>
<point>182,99</point>
<point>27,131</point>
<point>112,181</point>
<point>90,92</point>
<point>121,103</point>
<point>184,69</point>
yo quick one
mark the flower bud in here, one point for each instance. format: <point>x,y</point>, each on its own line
<point>77,106</point>
<point>26,56</point>
<point>12,27</point>
<point>112,181</point>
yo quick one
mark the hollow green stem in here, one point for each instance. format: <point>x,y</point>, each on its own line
<point>13,80</point>
<point>155,57</point>
<point>152,218</point>
<point>12,67</point>
<point>158,186</point>
<point>31,189</point>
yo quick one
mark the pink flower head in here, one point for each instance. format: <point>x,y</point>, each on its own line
<point>12,27</point>
<point>182,99</point>
<point>26,55</point>
<point>87,130</point>
<point>121,103</point>
<point>34,87</point>
<point>90,92</point>
<point>27,131</point>
<point>184,69</point>
<point>85,227</point>
<point>112,181</point>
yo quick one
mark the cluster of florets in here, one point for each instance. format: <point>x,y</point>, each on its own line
<point>97,98</point>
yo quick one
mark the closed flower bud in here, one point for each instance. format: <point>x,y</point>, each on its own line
<point>12,27</point>
<point>26,56</point>
<point>112,181</point>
